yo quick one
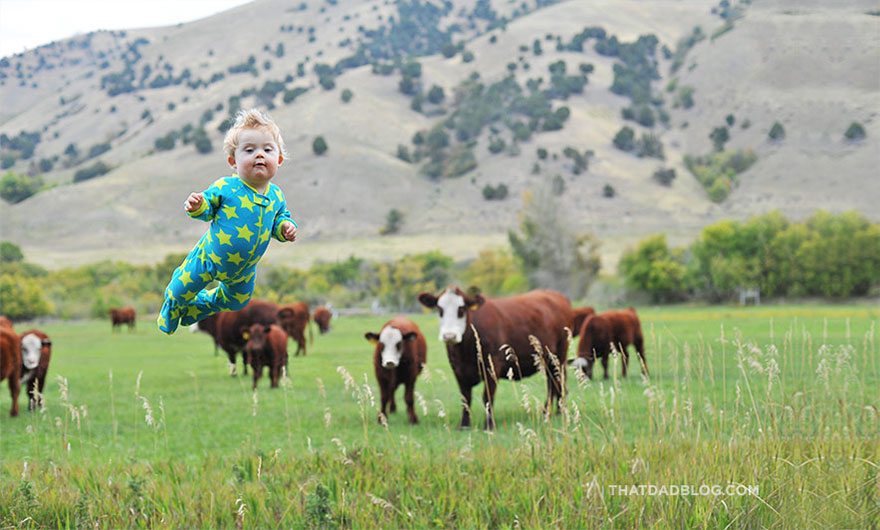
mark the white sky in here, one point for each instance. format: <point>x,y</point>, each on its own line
<point>27,24</point>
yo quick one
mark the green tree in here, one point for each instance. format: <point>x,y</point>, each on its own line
<point>777,132</point>
<point>855,131</point>
<point>495,272</point>
<point>15,187</point>
<point>625,139</point>
<point>22,298</point>
<point>719,137</point>
<point>319,145</point>
<point>393,220</point>
<point>10,253</point>
<point>655,269</point>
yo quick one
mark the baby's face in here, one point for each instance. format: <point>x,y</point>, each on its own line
<point>257,157</point>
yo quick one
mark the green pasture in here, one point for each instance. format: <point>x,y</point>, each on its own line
<point>144,430</point>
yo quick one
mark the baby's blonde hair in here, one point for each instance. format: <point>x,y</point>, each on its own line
<point>252,119</point>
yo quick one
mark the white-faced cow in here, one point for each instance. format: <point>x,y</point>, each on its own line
<point>400,355</point>
<point>504,326</point>
<point>36,350</point>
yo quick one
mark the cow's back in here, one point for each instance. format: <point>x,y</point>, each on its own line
<point>510,321</point>
<point>229,324</point>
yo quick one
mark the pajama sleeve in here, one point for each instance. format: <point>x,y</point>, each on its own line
<point>282,215</point>
<point>210,203</point>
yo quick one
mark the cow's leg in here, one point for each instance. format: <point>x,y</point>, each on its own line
<point>258,372</point>
<point>275,373</point>
<point>465,406</point>
<point>489,387</point>
<point>639,343</point>
<point>383,395</point>
<point>408,396</point>
<point>14,390</point>
<point>605,357</point>
<point>231,355</point>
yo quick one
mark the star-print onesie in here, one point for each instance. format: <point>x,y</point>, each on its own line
<point>242,222</point>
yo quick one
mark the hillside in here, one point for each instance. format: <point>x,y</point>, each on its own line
<point>813,69</point>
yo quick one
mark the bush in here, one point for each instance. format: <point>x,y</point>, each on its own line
<point>22,298</point>
<point>855,132</point>
<point>496,145</point>
<point>625,139</point>
<point>655,269</point>
<point>393,220</point>
<point>717,172</point>
<point>664,176</point>
<point>319,145</point>
<point>777,132</point>
<point>15,188</point>
<point>608,191</point>
<point>95,170</point>
<point>495,193</point>
<point>346,95</point>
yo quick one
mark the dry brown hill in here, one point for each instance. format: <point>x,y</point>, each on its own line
<point>814,69</point>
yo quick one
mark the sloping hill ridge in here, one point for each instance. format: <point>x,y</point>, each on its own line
<point>812,68</point>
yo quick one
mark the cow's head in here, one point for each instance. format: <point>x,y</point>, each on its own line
<point>452,308</point>
<point>389,342</point>
<point>256,335</point>
<point>31,349</point>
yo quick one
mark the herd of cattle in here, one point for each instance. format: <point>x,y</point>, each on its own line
<point>486,339</point>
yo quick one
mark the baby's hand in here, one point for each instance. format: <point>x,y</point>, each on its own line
<point>288,231</point>
<point>193,202</point>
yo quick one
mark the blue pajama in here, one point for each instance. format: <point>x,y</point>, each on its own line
<point>242,222</point>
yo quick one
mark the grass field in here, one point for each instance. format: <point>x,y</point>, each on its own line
<point>143,430</point>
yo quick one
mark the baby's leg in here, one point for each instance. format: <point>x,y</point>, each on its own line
<point>229,295</point>
<point>186,283</point>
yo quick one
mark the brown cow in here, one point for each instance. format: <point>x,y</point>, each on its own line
<point>294,319</point>
<point>36,350</point>
<point>401,352</point>
<point>225,328</point>
<point>607,331</point>
<point>322,319</point>
<point>504,326</point>
<point>10,364</point>
<point>581,314</point>
<point>5,322</point>
<point>122,315</point>
<point>266,346</point>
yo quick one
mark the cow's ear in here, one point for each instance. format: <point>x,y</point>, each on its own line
<point>47,342</point>
<point>245,333</point>
<point>428,300</point>
<point>410,336</point>
<point>372,337</point>
<point>474,302</point>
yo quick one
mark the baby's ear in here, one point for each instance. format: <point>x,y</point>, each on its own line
<point>280,159</point>
<point>231,161</point>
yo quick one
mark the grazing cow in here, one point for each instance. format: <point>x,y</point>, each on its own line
<point>10,364</point>
<point>401,352</point>
<point>322,319</point>
<point>266,346</point>
<point>294,319</point>
<point>122,315</point>
<point>225,327</point>
<point>36,350</point>
<point>5,322</point>
<point>607,331</point>
<point>581,314</point>
<point>505,327</point>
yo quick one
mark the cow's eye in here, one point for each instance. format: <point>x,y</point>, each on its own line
<point>398,345</point>
<point>460,311</point>
<point>440,311</point>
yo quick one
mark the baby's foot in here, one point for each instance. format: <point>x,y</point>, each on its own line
<point>169,318</point>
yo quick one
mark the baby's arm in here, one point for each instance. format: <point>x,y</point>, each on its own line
<point>288,230</point>
<point>193,202</point>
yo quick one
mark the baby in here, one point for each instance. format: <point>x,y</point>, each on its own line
<point>245,210</point>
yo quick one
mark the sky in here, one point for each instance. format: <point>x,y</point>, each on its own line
<point>27,24</point>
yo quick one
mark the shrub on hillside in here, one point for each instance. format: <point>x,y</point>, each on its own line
<point>777,132</point>
<point>15,187</point>
<point>319,145</point>
<point>625,139</point>
<point>495,193</point>
<point>95,170</point>
<point>664,176</point>
<point>854,132</point>
<point>717,171</point>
